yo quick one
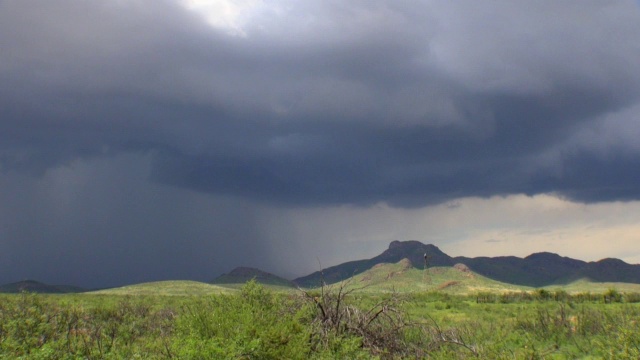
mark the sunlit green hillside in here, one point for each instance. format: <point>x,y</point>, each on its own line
<point>403,277</point>
<point>169,288</point>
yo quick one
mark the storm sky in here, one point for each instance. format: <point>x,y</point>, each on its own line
<point>147,140</point>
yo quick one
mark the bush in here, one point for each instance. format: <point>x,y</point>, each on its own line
<point>381,329</point>
<point>256,324</point>
<point>34,327</point>
<point>612,296</point>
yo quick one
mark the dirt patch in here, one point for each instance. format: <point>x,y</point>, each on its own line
<point>448,284</point>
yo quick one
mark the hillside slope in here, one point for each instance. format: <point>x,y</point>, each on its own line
<point>166,288</point>
<point>404,277</point>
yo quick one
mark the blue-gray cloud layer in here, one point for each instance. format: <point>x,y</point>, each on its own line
<point>324,102</point>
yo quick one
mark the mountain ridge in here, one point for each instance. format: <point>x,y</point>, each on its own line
<point>536,270</point>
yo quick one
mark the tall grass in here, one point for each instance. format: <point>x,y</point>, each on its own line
<point>256,323</point>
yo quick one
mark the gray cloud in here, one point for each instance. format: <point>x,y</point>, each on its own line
<point>323,102</point>
<point>457,101</point>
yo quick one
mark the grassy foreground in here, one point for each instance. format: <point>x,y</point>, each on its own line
<point>331,323</point>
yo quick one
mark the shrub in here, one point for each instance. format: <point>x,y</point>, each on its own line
<point>42,327</point>
<point>612,296</point>
<point>253,324</point>
<point>631,297</point>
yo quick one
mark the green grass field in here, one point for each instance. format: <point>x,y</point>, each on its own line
<point>392,311</point>
<point>585,285</point>
<point>267,324</point>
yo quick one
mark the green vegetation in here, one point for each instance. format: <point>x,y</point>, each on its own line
<point>586,285</point>
<point>253,323</point>
<point>334,322</point>
<point>257,324</point>
<point>532,325</point>
<point>83,327</point>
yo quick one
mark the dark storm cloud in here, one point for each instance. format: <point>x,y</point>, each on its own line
<point>325,102</point>
<point>138,142</point>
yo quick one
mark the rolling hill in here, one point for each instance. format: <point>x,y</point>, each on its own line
<point>404,277</point>
<point>168,288</point>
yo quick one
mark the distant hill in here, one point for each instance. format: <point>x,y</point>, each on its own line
<point>241,275</point>
<point>536,270</point>
<point>38,287</point>
<point>399,265</point>
<point>540,269</point>
<point>165,288</point>
<point>608,270</point>
<point>404,277</point>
